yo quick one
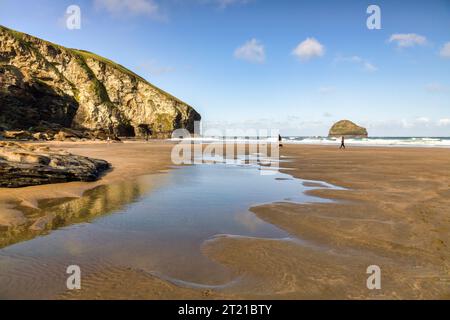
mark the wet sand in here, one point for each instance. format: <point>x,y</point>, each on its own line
<point>394,214</point>
<point>129,160</point>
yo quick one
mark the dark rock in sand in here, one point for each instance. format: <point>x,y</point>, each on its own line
<point>69,134</point>
<point>24,165</point>
<point>17,135</point>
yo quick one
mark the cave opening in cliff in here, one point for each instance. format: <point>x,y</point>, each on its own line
<point>126,130</point>
<point>144,131</point>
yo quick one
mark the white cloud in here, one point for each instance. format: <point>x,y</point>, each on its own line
<point>445,51</point>
<point>287,124</point>
<point>417,122</point>
<point>444,122</point>
<point>425,122</point>
<point>308,49</point>
<point>406,124</point>
<point>369,67</point>
<point>422,120</point>
<point>252,51</point>
<point>436,88</point>
<point>422,126</point>
<point>365,65</point>
<point>223,4</point>
<point>134,7</point>
<point>327,90</point>
<point>404,40</point>
<point>226,3</point>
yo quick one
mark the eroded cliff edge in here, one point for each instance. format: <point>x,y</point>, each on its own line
<point>44,85</point>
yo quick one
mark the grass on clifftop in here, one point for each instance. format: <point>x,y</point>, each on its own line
<point>90,55</point>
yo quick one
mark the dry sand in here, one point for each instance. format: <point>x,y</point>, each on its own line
<point>394,214</point>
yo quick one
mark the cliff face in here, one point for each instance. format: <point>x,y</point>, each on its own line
<point>41,82</point>
<point>347,128</point>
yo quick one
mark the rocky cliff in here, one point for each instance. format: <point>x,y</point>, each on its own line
<point>347,128</point>
<point>44,85</point>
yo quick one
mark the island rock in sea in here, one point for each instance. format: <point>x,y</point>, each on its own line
<point>24,165</point>
<point>346,128</point>
<point>45,87</point>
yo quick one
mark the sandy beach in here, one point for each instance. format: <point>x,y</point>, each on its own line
<point>392,213</point>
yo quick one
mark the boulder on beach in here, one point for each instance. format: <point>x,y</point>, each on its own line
<point>346,128</point>
<point>17,135</point>
<point>23,165</point>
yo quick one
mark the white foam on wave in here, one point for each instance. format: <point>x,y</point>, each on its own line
<point>443,142</point>
<point>376,141</point>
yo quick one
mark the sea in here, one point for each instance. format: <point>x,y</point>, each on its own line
<point>375,141</point>
<point>443,142</point>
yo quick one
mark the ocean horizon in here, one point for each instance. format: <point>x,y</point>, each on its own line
<point>413,141</point>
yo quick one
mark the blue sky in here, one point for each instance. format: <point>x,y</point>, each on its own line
<point>297,66</point>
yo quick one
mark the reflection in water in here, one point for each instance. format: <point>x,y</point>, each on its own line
<point>52,214</point>
<point>159,226</point>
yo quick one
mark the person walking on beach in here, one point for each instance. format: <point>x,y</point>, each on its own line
<point>342,143</point>
<point>280,140</point>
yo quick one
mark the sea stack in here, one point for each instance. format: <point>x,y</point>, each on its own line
<point>348,129</point>
<point>46,88</point>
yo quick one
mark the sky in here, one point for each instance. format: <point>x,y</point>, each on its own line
<point>297,66</point>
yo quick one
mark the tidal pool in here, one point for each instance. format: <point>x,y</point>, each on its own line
<point>156,223</point>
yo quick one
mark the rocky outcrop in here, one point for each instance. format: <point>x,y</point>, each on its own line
<point>24,165</point>
<point>43,85</point>
<point>346,128</point>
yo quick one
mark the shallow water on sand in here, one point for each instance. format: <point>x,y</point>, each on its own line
<point>156,223</point>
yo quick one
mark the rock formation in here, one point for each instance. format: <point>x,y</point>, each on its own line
<point>348,129</point>
<point>24,165</point>
<point>45,87</point>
